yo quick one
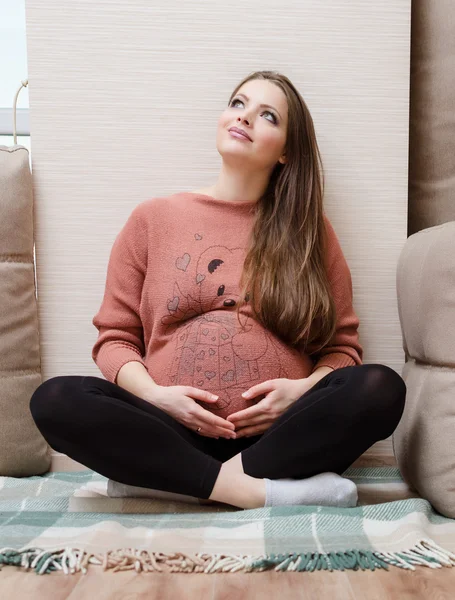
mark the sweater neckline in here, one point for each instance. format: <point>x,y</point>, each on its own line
<point>218,202</point>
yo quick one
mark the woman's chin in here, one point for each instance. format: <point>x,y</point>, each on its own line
<point>237,156</point>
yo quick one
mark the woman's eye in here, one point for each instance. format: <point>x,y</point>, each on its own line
<point>267,111</point>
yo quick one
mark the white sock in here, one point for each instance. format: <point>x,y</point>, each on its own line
<point>326,489</point>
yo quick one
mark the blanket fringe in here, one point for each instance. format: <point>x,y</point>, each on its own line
<point>426,553</point>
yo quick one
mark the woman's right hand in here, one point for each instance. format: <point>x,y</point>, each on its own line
<point>179,402</point>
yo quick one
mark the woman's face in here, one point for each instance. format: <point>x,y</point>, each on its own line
<point>265,125</point>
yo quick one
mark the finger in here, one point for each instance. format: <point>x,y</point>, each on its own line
<point>218,431</point>
<point>261,388</point>
<point>209,431</point>
<point>252,423</point>
<point>249,431</point>
<point>208,434</point>
<point>199,394</point>
<point>209,422</point>
<point>205,433</point>
<point>211,419</point>
<point>248,413</point>
<point>205,429</point>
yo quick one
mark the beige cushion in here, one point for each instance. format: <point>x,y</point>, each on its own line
<point>23,450</point>
<point>424,441</point>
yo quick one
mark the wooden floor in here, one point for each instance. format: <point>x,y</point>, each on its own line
<point>422,584</point>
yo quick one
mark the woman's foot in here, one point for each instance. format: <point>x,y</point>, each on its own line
<point>234,487</point>
<point>326,489</point>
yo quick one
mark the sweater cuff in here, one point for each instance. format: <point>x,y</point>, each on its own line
<point>113,355</point>
<point>336,360</point>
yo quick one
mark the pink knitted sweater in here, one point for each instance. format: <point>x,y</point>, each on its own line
<point>169,303</point>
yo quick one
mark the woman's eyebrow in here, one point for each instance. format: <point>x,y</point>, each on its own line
<point>263,105</point>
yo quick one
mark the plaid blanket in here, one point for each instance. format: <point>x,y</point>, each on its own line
<point>65,521</point>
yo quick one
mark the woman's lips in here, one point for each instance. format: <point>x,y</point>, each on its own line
<point>240,136</point>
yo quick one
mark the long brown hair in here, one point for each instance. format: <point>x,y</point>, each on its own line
<point>284,274</point>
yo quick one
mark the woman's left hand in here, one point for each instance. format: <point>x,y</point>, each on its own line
<point>280,394</point>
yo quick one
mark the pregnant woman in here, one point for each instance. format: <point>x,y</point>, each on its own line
<point>227,335</point>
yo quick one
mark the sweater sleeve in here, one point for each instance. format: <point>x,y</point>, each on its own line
<point>120,338</point>
<point>344,349</point>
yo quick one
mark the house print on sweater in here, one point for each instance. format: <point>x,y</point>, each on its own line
<point>211,349</point>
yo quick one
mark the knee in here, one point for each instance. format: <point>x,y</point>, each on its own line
<point>387,390</point>
<point>47,399</point>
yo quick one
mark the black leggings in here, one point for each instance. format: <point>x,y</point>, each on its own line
<point>127,439</point>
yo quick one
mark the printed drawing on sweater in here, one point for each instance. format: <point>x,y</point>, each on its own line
<point>212,350</point>
<point>171,297</point>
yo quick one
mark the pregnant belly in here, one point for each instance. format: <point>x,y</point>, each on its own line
<point>209,358</point>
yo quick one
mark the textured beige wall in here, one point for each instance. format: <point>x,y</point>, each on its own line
<point>124,100</point>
